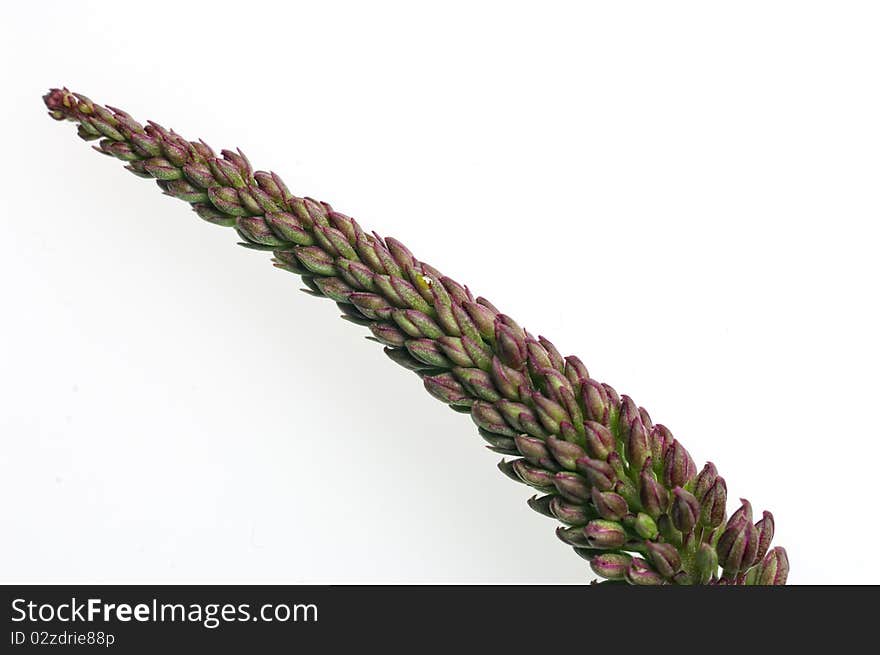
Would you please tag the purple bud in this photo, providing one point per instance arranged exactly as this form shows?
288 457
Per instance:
534 450
487 417
599 474
628 413
565 452
427 351
705 480
575 371
744 513
637 449
738 544
600 441
556 360
534 476
646 419
510 345
572 486
641 573
678 467
149 147
595 400
556 384
685 510
568 433
391 336
508 380
568 513
665 558
612 566
610 505
766 528
288 227
477 382
538 357
713 506
605 534
654 497
446 388
659 438
550 413
321 263
773 570
483 318
452 347
520 416
613 396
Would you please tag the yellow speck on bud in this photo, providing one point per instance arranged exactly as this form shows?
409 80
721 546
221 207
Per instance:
423 282
84 108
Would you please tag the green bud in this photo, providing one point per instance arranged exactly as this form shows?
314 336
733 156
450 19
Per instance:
707 563
645 526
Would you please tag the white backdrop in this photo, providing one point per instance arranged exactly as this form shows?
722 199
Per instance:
685 194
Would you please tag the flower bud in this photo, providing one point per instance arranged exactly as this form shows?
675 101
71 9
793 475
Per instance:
572 486
707 563
773 570
612 566
637 448
477 382
766 528
645 526
443 387
482 317
516 414
665 558
713 505
658 439
575 371
510 345
628 412
738 544
678 467
705 480
599 474
668 531
534 450
569 513
613 397
596 403
550 413
487 417
600 441
508 380
654 497
610 505
616 463
601 533
646 419
685 510
533 476
641 573
565 452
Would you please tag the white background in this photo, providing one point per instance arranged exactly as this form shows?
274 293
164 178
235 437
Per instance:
685 194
